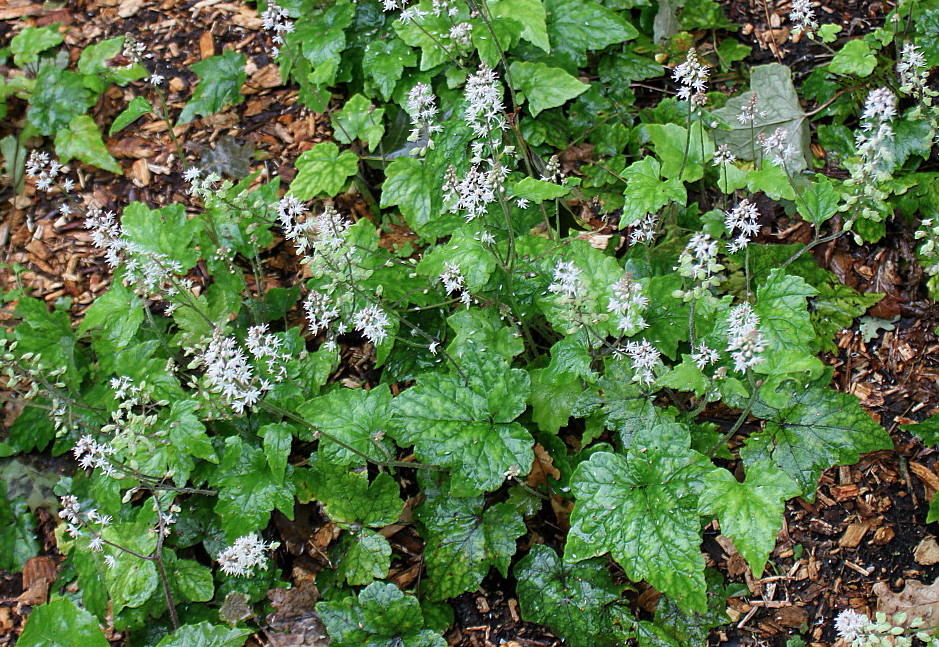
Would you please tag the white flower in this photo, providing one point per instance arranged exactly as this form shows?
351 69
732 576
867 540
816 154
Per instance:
881 105
628 303
644 230
454 281
372 322
228 372
850 623
156 79
704 356
912 70
744 340
723 155
566 281
422 107
484 108
320 311
698 262
110 561
472 193
803 15
645 358
247 553
742 220
693 76
460 34
776 146
191 174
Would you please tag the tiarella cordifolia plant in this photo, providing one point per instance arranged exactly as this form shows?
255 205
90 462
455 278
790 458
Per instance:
598 311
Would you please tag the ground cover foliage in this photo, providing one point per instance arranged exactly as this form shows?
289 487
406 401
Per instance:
660 376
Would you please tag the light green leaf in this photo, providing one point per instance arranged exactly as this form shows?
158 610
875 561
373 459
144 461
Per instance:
426 35
677 149
818 429
820 202
545 87
61 623
475 261
138 107
531 15
220 81
359 119
278 438
193 580
750 513
366 556
777 106
482 330
855 57
349 498
59 96
573 600
323 171
783 311
132 581
411 185
381 615
576 27
164 231
642 508
646 192
99 74
773 181
553 396
384 61
538 190
115 316
205 635
27 45
466 424
355 417
82 140
464 539
248 489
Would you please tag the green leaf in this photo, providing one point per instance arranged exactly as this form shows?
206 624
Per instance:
384 61
359 119
777 106
818 429
573 600
553 396
531 15
248 489
576 27
323 171
220 81
278 437
205 635
677 149
27 45
18 540
59 96
61 623
132 581
94 66
349 498
820 202
646 192
137 108
366 556
381 615
828 32
82 140
115 317
467 425
411 185
474 259
193 580
642 508
164 231
538 190
464 539
783 311
750 513
544 87
927 430
482 330
355 417
854 58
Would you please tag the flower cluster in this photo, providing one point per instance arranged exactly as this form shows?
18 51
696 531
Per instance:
742 222
749 114
913 73
91 454
276 20
320 311
703 356
83 523
698 262
247 553
45 169
373 323
744 340
454 281
858 630
643 230
645 357
723 155
475 191
777 147
566 283
803 15
483 93
291 215
422 108
628 304
693 75
876 159
229 373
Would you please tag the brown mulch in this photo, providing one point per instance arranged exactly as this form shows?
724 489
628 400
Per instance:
865 520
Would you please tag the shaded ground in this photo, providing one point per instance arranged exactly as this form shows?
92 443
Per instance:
865 520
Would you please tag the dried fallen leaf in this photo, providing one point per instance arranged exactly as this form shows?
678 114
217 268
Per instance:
295 620
927 553
916 599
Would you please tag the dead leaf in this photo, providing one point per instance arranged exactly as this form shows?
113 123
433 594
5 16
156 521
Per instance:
542 467
38 574
295 619
927 553
129 8
916 599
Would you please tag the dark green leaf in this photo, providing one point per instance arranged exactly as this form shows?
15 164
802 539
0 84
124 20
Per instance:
349 498
544 87
578 27
59 97
366 556
355 417
205 635
359 119
61 623
384 61
220 81
18 540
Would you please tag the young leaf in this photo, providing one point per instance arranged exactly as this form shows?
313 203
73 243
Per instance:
323 170
220 81
783 311
531 15
132 581
750 513
27 45
642 508
466 423
137 108
464 539
820 202
82 140
193 580
381 615
572 600
359 119
545 87
538 190
854 58
681 151
61 622
818 429
646 192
